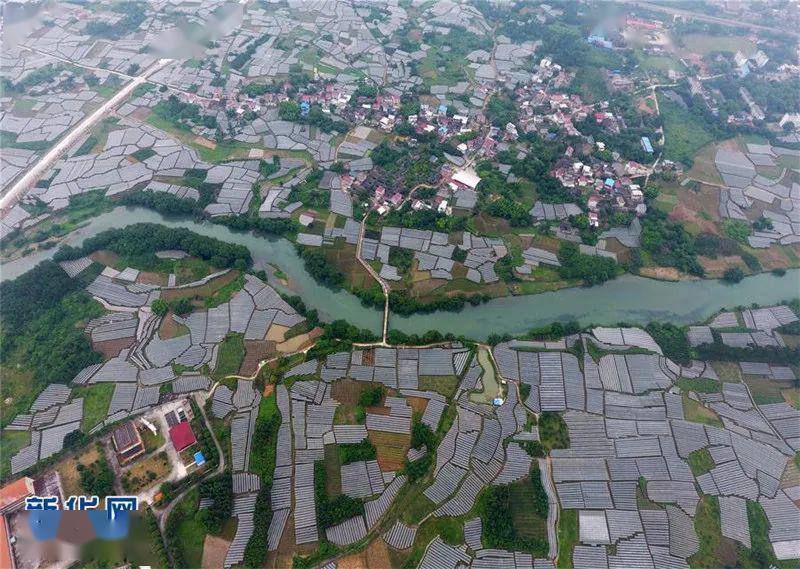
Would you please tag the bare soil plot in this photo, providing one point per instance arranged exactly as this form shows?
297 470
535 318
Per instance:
391 449
104 257
661 273
347 391
158 279
375 556
715 268
214 551
111 348
255 351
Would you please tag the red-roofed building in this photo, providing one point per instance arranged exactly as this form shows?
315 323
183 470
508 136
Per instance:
182 436
12 497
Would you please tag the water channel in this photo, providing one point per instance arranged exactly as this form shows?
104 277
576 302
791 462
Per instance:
631 299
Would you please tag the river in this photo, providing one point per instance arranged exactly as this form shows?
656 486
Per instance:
631 299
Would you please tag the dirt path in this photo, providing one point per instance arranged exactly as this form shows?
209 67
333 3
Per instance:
552 510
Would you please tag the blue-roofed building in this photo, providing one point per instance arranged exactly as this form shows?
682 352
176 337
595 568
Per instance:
442 109
744 70
648 147
305 106
609 183
199 459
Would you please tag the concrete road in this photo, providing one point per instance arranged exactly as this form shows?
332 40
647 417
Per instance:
708 18
21 187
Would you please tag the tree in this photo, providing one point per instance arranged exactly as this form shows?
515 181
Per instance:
733 275
160 307
289 111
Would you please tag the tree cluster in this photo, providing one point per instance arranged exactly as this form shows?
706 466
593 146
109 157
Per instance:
144 239
219 490
590 269
332 511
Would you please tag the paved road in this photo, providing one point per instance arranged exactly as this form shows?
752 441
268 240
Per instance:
18 190
711 19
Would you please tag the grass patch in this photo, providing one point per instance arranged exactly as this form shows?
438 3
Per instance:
10 443
224 294
96 399
364 450
693 411
230 356
567 538
189 533
699 385
706 43
333 472
444 384
151 442
416 506
765 390
715 550
529 523
700 461
451 530
684 134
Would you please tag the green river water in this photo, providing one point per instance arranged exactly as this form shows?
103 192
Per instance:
631 299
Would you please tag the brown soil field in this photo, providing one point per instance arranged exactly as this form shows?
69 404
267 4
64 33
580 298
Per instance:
68 471
376 556
347 391
104 257
716 267
391 448
171 329
418 404
276 333
214 551
111 348
298 342
255 351
158 279
661 273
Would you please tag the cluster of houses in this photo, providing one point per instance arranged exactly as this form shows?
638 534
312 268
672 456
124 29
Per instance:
606 184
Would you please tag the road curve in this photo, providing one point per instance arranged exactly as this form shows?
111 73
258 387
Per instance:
18 190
